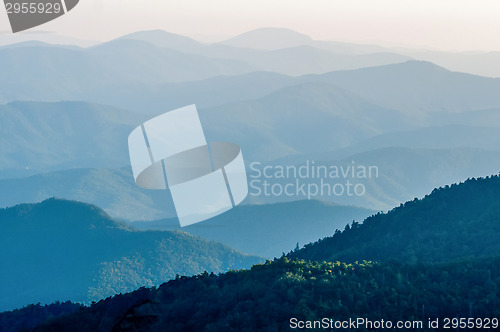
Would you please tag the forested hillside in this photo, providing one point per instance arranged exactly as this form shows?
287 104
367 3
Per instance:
266 297
454 222
62 250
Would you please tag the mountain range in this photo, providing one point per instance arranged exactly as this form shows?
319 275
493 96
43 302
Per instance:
418 87
455 227
75 73
268 230
481 63
415 88
402 174
37 137
66 112
114 190
59 72
276 50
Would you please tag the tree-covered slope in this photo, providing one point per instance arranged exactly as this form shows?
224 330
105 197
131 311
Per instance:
454 222
268 296
64 250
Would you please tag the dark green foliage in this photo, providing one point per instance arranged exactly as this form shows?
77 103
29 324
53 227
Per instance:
453 222
34 314
267 296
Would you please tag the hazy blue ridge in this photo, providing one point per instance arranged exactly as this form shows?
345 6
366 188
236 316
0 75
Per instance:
62 250
269 230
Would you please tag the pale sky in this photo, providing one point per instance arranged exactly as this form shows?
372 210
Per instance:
455 25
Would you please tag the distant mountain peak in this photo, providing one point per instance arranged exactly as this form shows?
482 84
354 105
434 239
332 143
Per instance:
158 33
410 65
418 64
60 250
63 213
269 39
162 38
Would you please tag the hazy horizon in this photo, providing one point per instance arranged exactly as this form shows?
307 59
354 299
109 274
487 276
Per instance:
449 25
